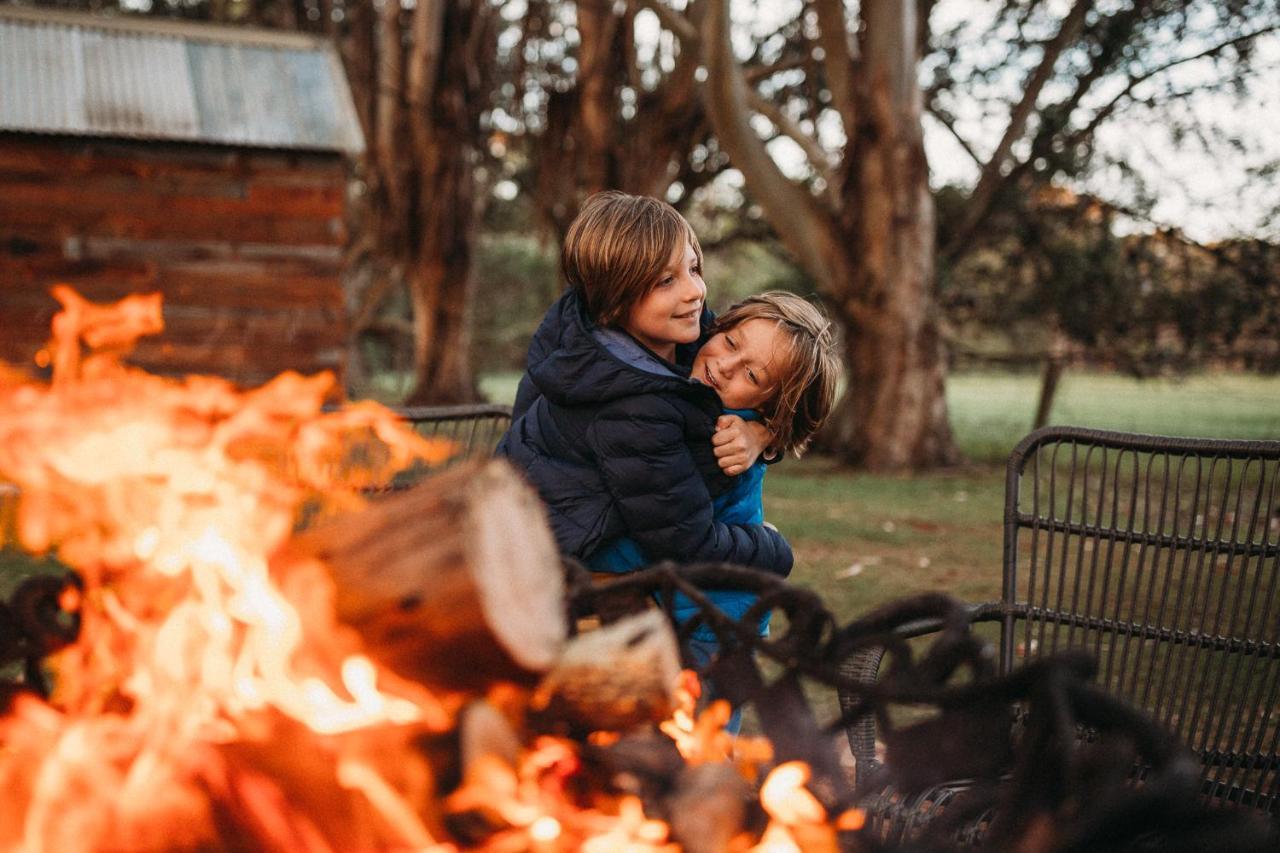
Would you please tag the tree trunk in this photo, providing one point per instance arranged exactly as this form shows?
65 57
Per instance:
1054 361
873 256
440 282
442 133
598 29
417 99
894 414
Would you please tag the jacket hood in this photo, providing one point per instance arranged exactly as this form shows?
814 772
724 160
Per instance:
571 366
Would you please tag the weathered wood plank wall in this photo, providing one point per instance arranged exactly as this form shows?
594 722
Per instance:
246 247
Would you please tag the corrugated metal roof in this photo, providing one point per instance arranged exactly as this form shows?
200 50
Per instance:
68 73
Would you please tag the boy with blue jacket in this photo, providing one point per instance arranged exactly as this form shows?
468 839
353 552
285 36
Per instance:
771 357
608 425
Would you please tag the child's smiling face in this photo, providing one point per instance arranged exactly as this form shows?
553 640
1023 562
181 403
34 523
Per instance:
671 312
743 364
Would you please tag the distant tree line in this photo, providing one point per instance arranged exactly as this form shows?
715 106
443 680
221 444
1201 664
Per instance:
819 105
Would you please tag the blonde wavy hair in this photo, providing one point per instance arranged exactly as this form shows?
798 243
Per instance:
808 377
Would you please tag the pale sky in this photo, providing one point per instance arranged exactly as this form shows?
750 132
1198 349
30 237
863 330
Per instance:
1211 197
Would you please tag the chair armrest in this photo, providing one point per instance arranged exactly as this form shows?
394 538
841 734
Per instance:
862 667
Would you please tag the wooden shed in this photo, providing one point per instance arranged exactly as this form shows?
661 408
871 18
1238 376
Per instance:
208 163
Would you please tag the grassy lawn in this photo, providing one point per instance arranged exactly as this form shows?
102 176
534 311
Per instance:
990 412
942 530
861 540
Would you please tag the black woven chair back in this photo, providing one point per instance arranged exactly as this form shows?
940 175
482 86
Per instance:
474 430
1161 557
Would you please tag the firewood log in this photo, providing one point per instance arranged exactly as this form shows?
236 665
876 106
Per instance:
483 731
456 583
615 677
708 807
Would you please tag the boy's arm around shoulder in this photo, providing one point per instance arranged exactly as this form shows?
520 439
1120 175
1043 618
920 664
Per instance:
738 443
639 444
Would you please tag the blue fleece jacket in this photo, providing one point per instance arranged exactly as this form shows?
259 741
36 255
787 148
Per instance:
617 448
742 504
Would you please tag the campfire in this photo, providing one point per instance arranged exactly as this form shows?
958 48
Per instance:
269 659
263 648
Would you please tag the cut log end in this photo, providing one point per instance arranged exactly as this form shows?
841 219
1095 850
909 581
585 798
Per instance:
616 677
456 583
517 565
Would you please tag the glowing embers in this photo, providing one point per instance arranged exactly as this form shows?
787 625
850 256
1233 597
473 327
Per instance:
169 497
214 695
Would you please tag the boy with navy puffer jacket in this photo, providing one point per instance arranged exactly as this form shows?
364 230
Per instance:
771 357
608 425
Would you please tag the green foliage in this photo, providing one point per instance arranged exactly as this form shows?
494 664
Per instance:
516 279
1053 264
740 269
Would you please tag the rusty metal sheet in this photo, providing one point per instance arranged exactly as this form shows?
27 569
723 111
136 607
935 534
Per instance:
79 74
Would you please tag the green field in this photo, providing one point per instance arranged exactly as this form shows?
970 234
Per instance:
864 539
991 411
861 540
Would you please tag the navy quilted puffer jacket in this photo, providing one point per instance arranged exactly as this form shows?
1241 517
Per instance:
617 450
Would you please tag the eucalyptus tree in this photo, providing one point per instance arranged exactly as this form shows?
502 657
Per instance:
854 83
420 74
1119 89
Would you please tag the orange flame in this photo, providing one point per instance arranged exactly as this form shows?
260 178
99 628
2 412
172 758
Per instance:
169 496
797 821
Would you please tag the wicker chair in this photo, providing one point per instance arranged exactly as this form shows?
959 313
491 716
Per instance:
1158 556
474 429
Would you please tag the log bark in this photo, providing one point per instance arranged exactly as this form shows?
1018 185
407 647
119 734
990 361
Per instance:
708 807
456 583
615 677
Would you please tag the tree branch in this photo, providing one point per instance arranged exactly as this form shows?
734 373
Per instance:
424 55
1111 106
390 84
759 73
819 158
795 214
837 61
993 175
672 20
945 121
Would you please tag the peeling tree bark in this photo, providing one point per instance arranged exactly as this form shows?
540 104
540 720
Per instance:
420 112
894 415
873 256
